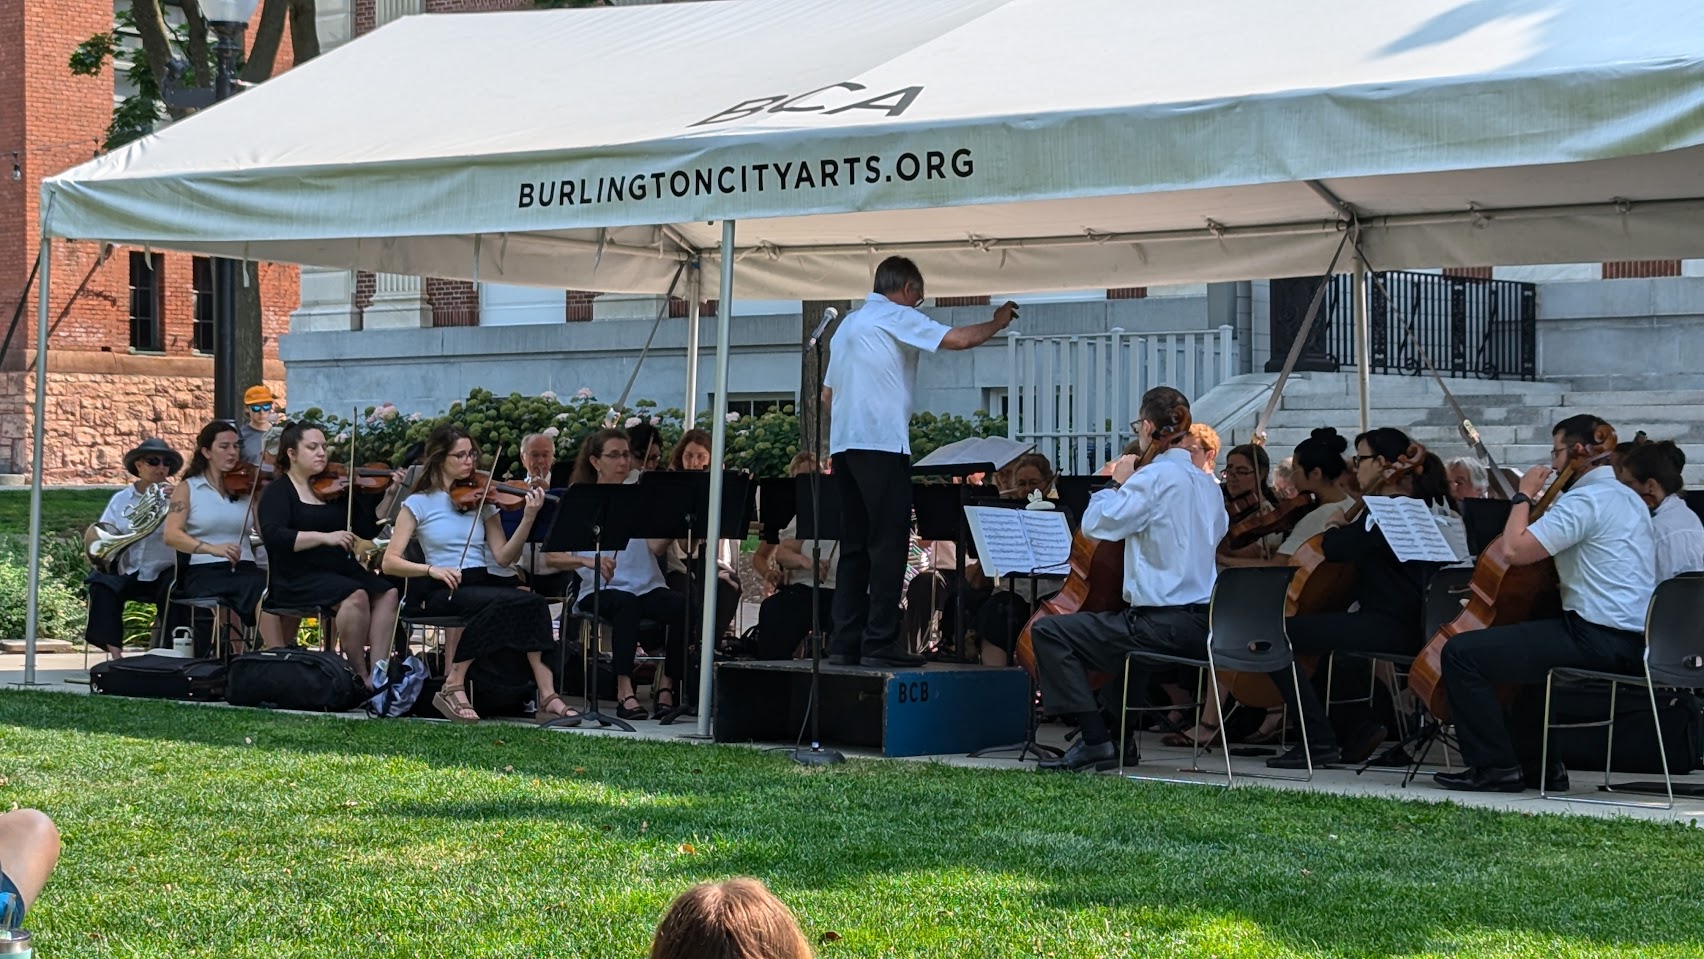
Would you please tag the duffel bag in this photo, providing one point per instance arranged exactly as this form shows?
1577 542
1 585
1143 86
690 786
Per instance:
294 678
154 676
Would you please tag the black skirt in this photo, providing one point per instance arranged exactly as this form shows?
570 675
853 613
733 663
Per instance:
239 588
499 615
324 587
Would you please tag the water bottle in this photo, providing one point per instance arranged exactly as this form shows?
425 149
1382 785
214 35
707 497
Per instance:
183 643
15 944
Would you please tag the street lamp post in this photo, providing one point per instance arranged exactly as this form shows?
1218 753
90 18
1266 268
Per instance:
229 19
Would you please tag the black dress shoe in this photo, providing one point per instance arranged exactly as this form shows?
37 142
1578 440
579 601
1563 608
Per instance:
891 655
1484 779
1297 758
1556 782
1081 755
1365 739
843 659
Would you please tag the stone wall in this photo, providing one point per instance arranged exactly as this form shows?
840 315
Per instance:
101 404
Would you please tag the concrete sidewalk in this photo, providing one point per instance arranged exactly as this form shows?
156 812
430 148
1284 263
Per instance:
63 673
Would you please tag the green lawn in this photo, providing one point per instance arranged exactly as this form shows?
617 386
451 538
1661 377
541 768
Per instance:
62 510
194 831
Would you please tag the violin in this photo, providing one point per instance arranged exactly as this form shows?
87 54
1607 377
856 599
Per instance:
472 492
245 478
1239 507
1500 594
1096 580
1281 519
333 481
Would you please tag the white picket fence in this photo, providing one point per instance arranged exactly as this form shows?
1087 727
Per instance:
1075 396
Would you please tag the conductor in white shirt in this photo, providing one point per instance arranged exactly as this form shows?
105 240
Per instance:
871 375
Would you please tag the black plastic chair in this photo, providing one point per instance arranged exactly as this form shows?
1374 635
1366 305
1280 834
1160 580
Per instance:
250 635
1245 633
1674 659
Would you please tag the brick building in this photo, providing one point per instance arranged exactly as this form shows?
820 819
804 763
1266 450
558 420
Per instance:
130 357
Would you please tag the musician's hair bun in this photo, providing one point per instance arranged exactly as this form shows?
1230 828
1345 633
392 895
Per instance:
1329 438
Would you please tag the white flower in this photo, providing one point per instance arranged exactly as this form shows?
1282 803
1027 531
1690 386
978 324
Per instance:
414 417
656 421
387 412
343 437
552 432
548 395
733 417
632 421
583 393
561 417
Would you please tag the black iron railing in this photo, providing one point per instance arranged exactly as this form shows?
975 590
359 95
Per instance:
1467 327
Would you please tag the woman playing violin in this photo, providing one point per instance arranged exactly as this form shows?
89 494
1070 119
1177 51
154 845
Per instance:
1391 592
311 550
1248 494
632 587
211 522
503 622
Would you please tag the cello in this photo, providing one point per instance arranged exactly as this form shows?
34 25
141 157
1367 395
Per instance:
1096 580
1501 594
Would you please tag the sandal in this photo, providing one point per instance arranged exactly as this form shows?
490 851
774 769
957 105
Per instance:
636 712
569 716
1183 740
658 709
444 701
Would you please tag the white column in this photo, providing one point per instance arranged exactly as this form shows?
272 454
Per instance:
627 306
328 301
384 11
1360 290
399 302
695 297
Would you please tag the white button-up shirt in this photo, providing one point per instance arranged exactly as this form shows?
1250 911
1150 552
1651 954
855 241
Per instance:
1600 534
873 371
1171 517
148 557
1679 538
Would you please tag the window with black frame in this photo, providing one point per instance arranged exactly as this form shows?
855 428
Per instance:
146 270
201 283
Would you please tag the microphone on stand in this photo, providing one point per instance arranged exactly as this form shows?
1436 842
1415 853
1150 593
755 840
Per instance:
829 315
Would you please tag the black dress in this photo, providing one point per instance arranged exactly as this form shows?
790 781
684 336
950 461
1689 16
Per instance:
320 576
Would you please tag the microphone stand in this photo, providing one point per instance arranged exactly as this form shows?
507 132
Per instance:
816 755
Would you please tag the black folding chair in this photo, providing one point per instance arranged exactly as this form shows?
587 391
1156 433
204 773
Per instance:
1674 659
1245 624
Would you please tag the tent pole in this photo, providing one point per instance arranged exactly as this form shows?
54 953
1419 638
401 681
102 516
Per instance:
1363 334
32 602
718 453
695 297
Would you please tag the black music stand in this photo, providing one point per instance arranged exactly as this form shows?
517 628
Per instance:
1074 493
817 506
940 515
678 504
596 517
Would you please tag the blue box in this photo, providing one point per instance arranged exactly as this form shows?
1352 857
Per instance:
904 711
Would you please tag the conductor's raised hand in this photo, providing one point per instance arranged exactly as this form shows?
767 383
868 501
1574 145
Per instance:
1006 315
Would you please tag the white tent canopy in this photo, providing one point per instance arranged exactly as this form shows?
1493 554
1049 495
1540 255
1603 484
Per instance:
1022 144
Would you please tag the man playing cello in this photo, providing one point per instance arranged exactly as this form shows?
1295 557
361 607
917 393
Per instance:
1171 517
1599 533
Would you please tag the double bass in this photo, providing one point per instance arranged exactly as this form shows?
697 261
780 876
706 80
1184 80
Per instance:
1501 594
1095 583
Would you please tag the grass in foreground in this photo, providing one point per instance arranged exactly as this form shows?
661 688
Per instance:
195 831
62 510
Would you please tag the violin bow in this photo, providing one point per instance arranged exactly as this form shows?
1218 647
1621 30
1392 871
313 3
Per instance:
479 508
349 494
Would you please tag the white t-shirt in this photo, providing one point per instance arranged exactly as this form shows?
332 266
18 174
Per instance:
829 550
1600 534
148 557
1680 538
444 531
873 371
636 570
1172 517
1312 525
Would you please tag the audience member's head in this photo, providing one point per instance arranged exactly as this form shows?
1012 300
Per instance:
734 919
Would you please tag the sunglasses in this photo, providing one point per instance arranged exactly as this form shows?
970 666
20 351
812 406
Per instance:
260 407
153 460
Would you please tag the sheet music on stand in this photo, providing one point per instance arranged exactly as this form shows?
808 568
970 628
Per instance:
1414 532
1020 542
997 451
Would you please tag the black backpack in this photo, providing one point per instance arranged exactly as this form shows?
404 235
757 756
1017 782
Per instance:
153 676
294 678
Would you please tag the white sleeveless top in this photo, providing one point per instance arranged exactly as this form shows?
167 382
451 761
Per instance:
215 518
442 531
